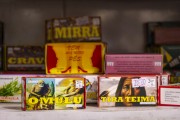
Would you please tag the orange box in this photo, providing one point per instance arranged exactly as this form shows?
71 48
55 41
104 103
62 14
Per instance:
75 58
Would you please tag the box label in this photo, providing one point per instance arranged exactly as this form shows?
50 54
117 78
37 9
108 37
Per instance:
170 96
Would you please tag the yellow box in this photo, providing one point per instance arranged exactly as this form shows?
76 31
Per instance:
75 58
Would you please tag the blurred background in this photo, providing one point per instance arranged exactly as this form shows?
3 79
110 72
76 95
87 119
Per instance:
122 20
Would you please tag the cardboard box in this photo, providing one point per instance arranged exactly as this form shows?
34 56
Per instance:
165 78
174 79
85 28
151 26
25 58
167 36
75 58
91 88
91 85
133 64
169 95
129 90
171 56
10 87
52 93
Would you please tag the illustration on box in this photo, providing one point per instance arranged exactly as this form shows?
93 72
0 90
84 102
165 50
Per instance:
91 88
75 58
127 91
10 88
54 93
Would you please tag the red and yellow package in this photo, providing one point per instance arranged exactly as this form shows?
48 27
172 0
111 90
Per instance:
75 58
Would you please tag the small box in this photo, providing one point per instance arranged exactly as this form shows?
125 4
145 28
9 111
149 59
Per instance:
53 93
164 79
133 64
75 58
174 79
127 90
25 58
169 95
150 28
10 87
73 29
171 58
167 36
91 88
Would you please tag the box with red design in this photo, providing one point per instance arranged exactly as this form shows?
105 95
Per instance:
53 93
169 95
75 58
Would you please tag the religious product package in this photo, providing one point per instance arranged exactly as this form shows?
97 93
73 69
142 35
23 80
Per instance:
174 79
91 85
91 88
163 78
155 31
133 64
25 58
167 36
10 87
129 90
53 93
169 95
75 58
171 56
85 28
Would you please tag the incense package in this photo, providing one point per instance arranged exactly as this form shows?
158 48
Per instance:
52 93
75 58
129 90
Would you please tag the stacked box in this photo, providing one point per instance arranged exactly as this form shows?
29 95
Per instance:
174 79
171 56
10 87
86 28
75 58
169 95
91 85
165 79
129 90
52 93
25 58
133 64
167 36
152 26
91 88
